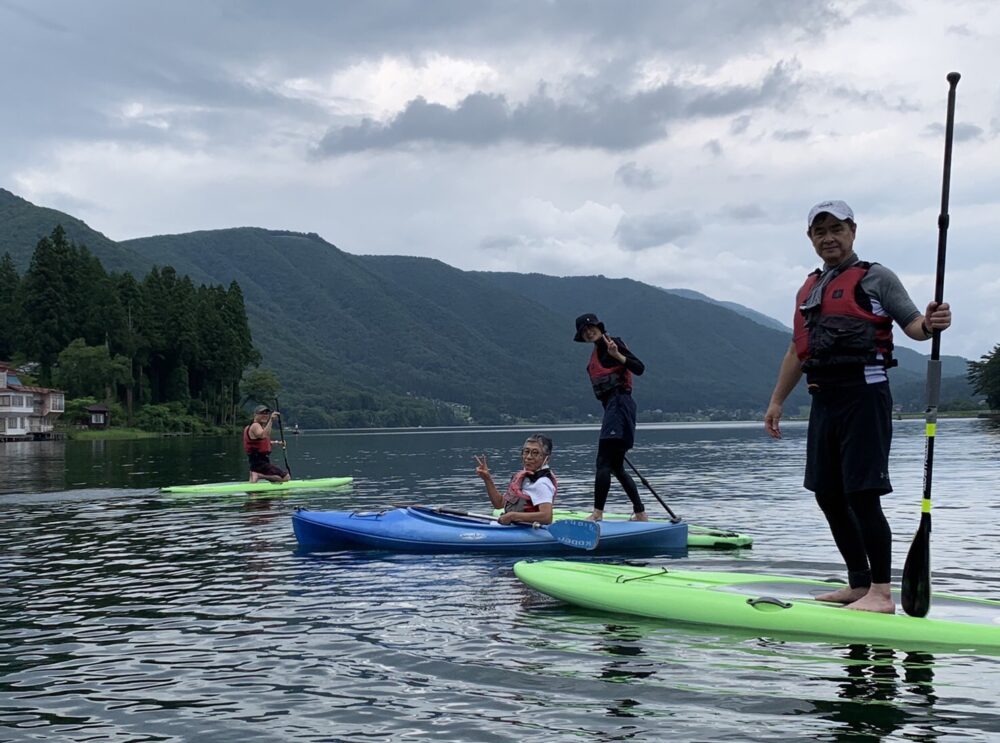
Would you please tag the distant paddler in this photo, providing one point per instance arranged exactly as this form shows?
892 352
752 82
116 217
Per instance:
257 444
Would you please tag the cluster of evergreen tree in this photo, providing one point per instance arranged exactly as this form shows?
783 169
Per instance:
985 377
158 341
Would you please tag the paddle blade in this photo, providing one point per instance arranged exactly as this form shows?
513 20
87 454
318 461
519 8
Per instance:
916 593
577 533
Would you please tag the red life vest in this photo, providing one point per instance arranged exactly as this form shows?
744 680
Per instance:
515 495
255 446
845 330
605 379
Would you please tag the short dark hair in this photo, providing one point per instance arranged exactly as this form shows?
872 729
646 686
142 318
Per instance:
543 441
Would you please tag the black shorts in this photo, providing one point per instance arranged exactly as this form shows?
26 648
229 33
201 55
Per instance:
261 464
850 433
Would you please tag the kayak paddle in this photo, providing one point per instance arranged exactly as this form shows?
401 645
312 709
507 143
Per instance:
578 533
673 516
916 589
281 430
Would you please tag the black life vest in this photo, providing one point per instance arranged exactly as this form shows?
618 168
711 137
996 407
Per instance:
606 379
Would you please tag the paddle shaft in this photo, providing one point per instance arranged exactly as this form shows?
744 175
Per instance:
934 363
583 535
483 517
281 430
916 587
673 516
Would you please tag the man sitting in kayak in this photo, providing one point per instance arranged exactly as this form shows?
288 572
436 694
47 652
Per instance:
531 491
257 444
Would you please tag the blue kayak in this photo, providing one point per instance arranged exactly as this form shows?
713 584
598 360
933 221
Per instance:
417 529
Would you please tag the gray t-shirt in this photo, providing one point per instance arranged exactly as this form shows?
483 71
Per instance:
888 294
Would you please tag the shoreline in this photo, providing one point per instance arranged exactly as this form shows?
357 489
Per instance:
125 434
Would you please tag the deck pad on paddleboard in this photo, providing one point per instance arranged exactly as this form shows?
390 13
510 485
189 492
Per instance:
944 606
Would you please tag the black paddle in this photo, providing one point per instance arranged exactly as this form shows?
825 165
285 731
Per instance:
281 430
673 516
916 593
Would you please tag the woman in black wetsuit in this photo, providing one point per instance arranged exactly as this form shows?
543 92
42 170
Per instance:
610 369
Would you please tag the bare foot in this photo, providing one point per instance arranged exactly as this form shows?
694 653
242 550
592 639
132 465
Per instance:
878 599
844 595
639 516
595 516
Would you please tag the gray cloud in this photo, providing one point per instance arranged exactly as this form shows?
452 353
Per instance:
778 87
651 230
713 146
873 98
963 132
631 175
33 18
607 120
742 212
501 242
791 135
740 124
880 9
197 62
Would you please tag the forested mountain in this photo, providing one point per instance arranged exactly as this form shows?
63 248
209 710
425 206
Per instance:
759 317
22 225
161 344
391 340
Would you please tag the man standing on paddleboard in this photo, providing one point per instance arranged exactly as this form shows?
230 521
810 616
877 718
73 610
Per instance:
610 369
843 344
257 444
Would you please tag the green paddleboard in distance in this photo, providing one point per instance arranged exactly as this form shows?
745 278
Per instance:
769 604
260 487
698 536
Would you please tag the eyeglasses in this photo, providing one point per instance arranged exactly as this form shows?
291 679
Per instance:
532 453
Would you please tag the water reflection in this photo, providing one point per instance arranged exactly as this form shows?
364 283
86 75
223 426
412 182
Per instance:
193 618
875 681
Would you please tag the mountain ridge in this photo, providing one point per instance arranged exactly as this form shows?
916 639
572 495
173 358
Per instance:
348 333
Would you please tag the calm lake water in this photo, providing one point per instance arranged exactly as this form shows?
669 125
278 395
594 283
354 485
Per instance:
129 615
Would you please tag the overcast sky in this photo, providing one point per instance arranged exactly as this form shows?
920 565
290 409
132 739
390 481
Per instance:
679 143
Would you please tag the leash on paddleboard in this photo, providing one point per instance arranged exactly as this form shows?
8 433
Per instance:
673 516
916 588
281 430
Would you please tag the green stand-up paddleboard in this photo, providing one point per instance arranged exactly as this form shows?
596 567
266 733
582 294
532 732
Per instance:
260 487
769 604
698 536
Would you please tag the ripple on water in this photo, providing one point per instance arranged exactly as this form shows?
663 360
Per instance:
125 615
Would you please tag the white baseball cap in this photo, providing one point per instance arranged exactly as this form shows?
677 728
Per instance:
839 209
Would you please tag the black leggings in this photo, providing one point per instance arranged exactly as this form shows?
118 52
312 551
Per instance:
611 461
862 535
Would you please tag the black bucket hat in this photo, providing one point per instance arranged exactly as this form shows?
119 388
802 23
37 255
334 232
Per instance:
583 321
